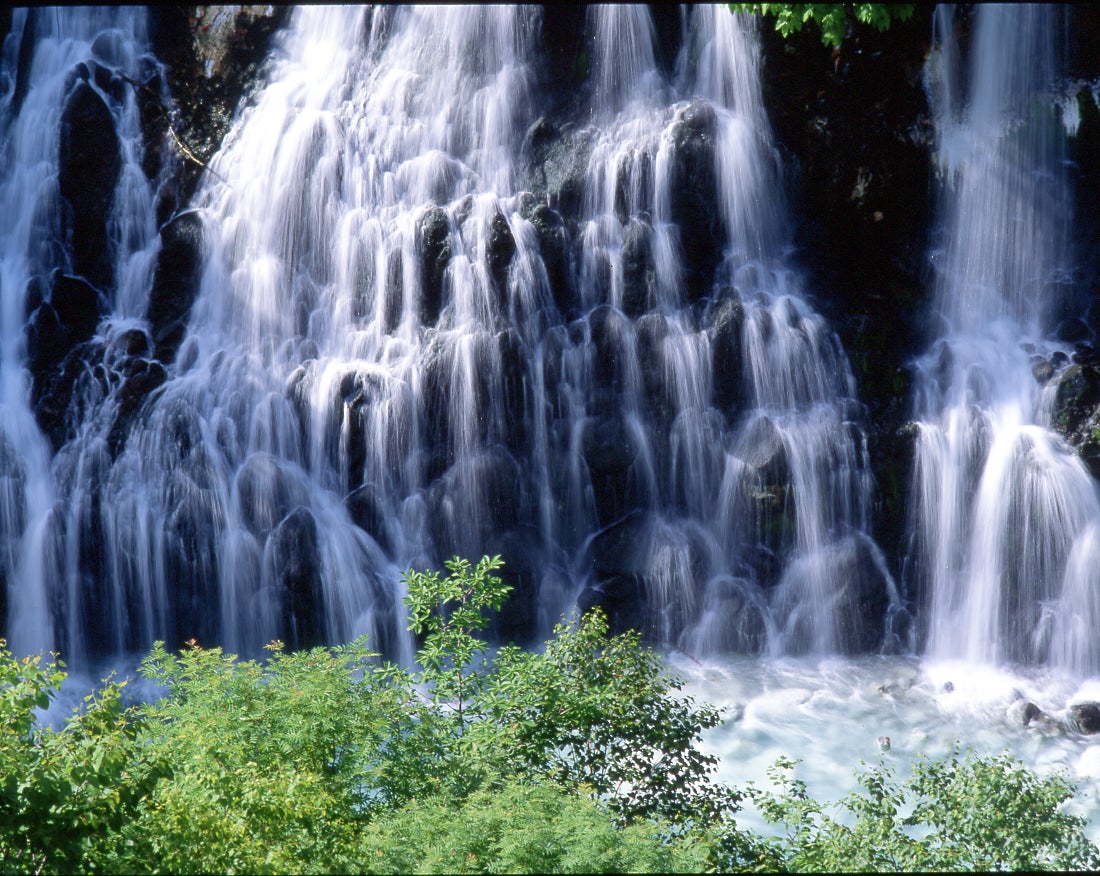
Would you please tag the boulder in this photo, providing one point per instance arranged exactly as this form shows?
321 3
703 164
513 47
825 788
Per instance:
725 338
692 206
622 599
176 283
295 562
639 270
1023 712
1076 397
554 249
433 244
732 619
266 494
500 247
524 565
89 164
140 376
610 450
1086 717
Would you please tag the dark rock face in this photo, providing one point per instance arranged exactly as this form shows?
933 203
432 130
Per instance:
1075 414
59 349
857 125
639 270
554 250
692 207
524 563
634 582
725 331
175 283
26 53
435 254
295 561
89 166
212 57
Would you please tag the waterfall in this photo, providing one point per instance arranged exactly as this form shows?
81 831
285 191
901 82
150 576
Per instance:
1004 514
69 129
441 311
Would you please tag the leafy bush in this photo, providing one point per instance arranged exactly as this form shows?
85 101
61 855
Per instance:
522 828
253 764
59 790
964 812
583 757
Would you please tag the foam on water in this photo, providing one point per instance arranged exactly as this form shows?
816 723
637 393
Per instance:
830 714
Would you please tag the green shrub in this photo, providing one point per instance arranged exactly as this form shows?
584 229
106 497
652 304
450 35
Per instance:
962 812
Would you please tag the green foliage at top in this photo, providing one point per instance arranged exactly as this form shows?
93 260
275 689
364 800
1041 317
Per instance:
832 18
581 758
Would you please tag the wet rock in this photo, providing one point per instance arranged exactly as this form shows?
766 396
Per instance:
639 269
611 333
156 138
296 564
614 548
191 559
1076 396
621 598
481 494
1084 353
140 377
1072 330
692 205
89 164
524 564
609 452
26 55
651 330
732 619
78 306
176 283
1086 717
513 397
212 57
656 563
500 248
860 593
554 250
265 493
433 242
368 511
725 334
1042 370
564 173
564 44
393 303
1023 712
60 348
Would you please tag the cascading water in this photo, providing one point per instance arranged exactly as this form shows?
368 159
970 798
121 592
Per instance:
407 344
431 301
69 129
1005 515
